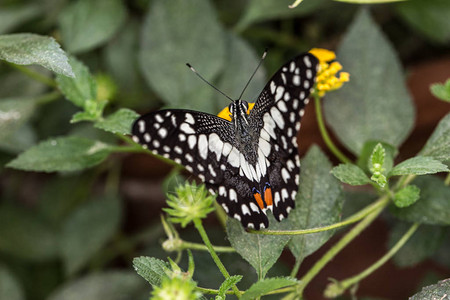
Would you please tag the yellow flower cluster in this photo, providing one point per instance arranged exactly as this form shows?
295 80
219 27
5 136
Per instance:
327 77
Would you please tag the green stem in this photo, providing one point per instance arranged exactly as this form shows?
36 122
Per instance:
344 241
201 247
324 133
447 179
198 224
352 219
35 75
49 97
296 268
221 215
345 284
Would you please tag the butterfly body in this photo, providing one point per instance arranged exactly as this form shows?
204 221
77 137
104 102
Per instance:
251 163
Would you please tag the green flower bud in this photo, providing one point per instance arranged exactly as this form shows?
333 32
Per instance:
190 202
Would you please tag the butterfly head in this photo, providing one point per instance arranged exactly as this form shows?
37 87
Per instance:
239 109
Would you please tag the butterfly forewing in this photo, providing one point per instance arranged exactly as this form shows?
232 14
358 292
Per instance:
247 177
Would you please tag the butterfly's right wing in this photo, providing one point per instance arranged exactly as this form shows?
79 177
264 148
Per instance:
276 115
205 145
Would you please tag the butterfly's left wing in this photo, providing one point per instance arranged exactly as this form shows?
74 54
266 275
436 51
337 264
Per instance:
205 144
276 115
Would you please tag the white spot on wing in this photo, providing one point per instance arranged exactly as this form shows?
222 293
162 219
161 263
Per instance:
272 87
277 117
279 93
192 140
203 146
162 132
282 106
233 157
307 61
141 125
186 128
233 195
285 175
189 119
254 207
296 80
159 119
245 210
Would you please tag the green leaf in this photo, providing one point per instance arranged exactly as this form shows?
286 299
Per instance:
407 196
118 122
377 157
433 207
80 89
13 114
12 16
424 243
62 154
319 203
101 219
10 287
21 139
24 235
226 285
33 49
441 90
375 103
419 165
261 251
111 285
151 269
428 17
264 286
376 165
264 10
439 142
366 152
87 24
435 291
172 33
121 58
350 174
241 63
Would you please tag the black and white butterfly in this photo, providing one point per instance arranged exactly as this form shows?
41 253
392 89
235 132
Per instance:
251 163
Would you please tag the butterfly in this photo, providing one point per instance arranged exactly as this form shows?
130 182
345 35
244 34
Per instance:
250 163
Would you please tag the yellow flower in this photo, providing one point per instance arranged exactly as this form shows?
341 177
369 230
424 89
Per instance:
329 77
225 113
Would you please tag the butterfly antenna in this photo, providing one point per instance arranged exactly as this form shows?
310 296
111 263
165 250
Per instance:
200 76
251 77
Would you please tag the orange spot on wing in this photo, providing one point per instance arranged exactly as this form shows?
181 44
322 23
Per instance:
259 200
268 196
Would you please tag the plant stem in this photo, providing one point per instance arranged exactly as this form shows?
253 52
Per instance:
221 215
352 219
49 97
201 247
345 284
447 179
296 268
324 133
35 75
198 224
344 241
